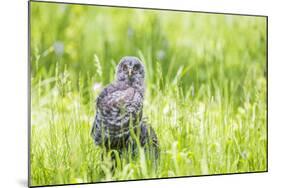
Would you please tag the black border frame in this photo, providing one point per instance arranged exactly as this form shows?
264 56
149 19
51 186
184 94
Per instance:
143 8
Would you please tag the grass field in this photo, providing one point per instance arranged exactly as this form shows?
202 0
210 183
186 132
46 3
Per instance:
205 90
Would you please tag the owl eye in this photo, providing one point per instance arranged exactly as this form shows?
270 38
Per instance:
136 67
125 68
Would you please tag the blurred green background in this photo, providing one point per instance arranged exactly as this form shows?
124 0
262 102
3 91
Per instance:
205 89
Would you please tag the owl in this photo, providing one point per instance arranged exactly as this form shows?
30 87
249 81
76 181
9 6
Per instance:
119 122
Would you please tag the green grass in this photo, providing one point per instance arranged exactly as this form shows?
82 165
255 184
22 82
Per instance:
205 91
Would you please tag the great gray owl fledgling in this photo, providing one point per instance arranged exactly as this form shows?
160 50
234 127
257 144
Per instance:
118 121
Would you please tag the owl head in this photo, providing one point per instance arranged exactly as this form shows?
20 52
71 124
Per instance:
130 69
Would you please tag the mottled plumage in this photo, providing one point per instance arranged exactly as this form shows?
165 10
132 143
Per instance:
119 111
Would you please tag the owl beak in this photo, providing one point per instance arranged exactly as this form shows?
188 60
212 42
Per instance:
130 72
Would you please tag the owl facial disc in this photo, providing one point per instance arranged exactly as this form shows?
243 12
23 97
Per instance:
130 70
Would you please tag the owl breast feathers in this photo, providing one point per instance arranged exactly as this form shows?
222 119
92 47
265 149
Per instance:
119 110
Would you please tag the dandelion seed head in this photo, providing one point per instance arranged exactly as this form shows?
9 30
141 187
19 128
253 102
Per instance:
97 86
58 48
130 32
160 54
